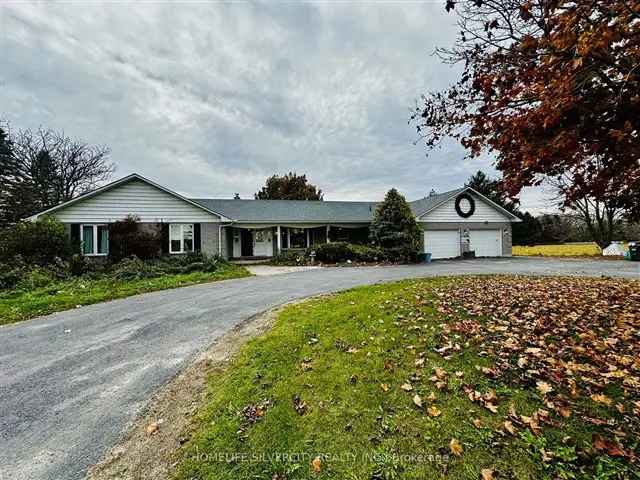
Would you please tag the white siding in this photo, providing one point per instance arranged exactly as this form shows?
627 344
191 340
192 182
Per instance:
447 213
149 203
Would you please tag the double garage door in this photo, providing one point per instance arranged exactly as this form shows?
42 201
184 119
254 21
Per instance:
446 243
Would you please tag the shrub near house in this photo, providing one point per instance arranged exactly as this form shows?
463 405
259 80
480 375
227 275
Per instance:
38 242
127 238
40 273
337 252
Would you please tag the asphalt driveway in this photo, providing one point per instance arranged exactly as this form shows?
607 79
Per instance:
71 382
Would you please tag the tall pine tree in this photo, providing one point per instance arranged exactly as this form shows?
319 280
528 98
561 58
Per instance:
394 227
490 188
10 175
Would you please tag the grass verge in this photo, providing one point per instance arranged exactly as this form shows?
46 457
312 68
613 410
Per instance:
357 386
18 305
564 250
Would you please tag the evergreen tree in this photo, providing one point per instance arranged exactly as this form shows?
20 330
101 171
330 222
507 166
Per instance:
490 188
11 176
394 227
44 181
527 232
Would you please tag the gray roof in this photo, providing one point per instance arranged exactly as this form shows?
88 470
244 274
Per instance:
284 211
310 211
427 203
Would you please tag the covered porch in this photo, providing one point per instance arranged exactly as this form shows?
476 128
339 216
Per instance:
256 242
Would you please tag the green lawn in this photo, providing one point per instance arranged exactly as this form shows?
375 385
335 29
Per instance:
327 382
17 305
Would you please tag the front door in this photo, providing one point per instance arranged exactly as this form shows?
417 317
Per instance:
262 243
246 243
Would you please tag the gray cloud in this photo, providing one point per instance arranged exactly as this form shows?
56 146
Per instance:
211 99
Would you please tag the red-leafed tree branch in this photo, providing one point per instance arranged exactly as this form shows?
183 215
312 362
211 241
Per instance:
552 88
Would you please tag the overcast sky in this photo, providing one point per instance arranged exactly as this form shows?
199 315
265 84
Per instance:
210 99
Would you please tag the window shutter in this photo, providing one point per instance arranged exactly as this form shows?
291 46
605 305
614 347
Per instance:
164 234
75 232
196 237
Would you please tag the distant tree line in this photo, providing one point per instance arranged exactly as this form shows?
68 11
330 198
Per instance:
42 168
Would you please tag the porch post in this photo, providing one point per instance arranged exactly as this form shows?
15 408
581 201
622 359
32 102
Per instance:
328 228
307 230
279 246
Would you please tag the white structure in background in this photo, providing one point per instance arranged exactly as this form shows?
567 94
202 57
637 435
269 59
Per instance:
616 249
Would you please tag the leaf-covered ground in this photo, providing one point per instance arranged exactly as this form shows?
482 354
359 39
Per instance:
576 341
482 377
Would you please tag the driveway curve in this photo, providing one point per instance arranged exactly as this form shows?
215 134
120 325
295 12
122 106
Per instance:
71 382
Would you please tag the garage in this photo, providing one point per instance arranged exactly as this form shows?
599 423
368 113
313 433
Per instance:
486 243
442 243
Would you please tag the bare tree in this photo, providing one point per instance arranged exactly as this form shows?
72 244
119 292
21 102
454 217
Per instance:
77 167
601 216
48 168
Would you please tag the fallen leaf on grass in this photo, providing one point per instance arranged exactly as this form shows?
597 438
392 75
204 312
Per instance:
508 426
316 464
417 400
406 387
384 387
543 387
601 398
152 428
455 447
491 407
486 474
477 422
532 422
299 405
440 373
611 448
433 411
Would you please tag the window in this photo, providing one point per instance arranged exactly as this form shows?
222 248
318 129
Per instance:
95 239
297 238
180 238
284 237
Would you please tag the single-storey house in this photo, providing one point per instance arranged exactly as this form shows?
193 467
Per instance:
453 222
